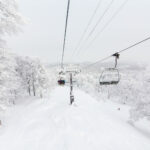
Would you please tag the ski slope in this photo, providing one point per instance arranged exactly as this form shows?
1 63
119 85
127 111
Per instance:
52 124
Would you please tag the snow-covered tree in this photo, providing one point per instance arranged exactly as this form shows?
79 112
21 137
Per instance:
10 18
21 76
141 108
34 76
10 81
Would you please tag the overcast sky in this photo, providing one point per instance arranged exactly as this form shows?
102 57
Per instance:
43 35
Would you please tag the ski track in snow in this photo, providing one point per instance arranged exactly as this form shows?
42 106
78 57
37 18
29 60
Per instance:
52 124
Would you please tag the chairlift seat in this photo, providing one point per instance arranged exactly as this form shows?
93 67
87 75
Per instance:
109 76
61 82
109 83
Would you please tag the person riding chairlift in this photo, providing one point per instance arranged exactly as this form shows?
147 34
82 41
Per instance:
61 81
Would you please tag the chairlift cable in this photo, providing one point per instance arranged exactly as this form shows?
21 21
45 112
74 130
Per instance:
107 23
97 23
87 27
123 50
64 43
100 19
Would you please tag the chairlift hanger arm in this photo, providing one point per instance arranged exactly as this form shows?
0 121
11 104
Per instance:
116 55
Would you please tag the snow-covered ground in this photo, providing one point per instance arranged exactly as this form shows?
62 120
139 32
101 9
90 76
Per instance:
52 124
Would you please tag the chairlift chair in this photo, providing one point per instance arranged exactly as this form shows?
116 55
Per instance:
61 80
110 76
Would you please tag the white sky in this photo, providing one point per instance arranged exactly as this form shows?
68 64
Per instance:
43 36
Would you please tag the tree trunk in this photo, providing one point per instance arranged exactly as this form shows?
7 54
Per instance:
34 92
29 88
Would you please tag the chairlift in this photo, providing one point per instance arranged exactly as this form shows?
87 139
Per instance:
110 76
61 80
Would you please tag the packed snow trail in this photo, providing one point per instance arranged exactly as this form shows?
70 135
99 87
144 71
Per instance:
52 124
